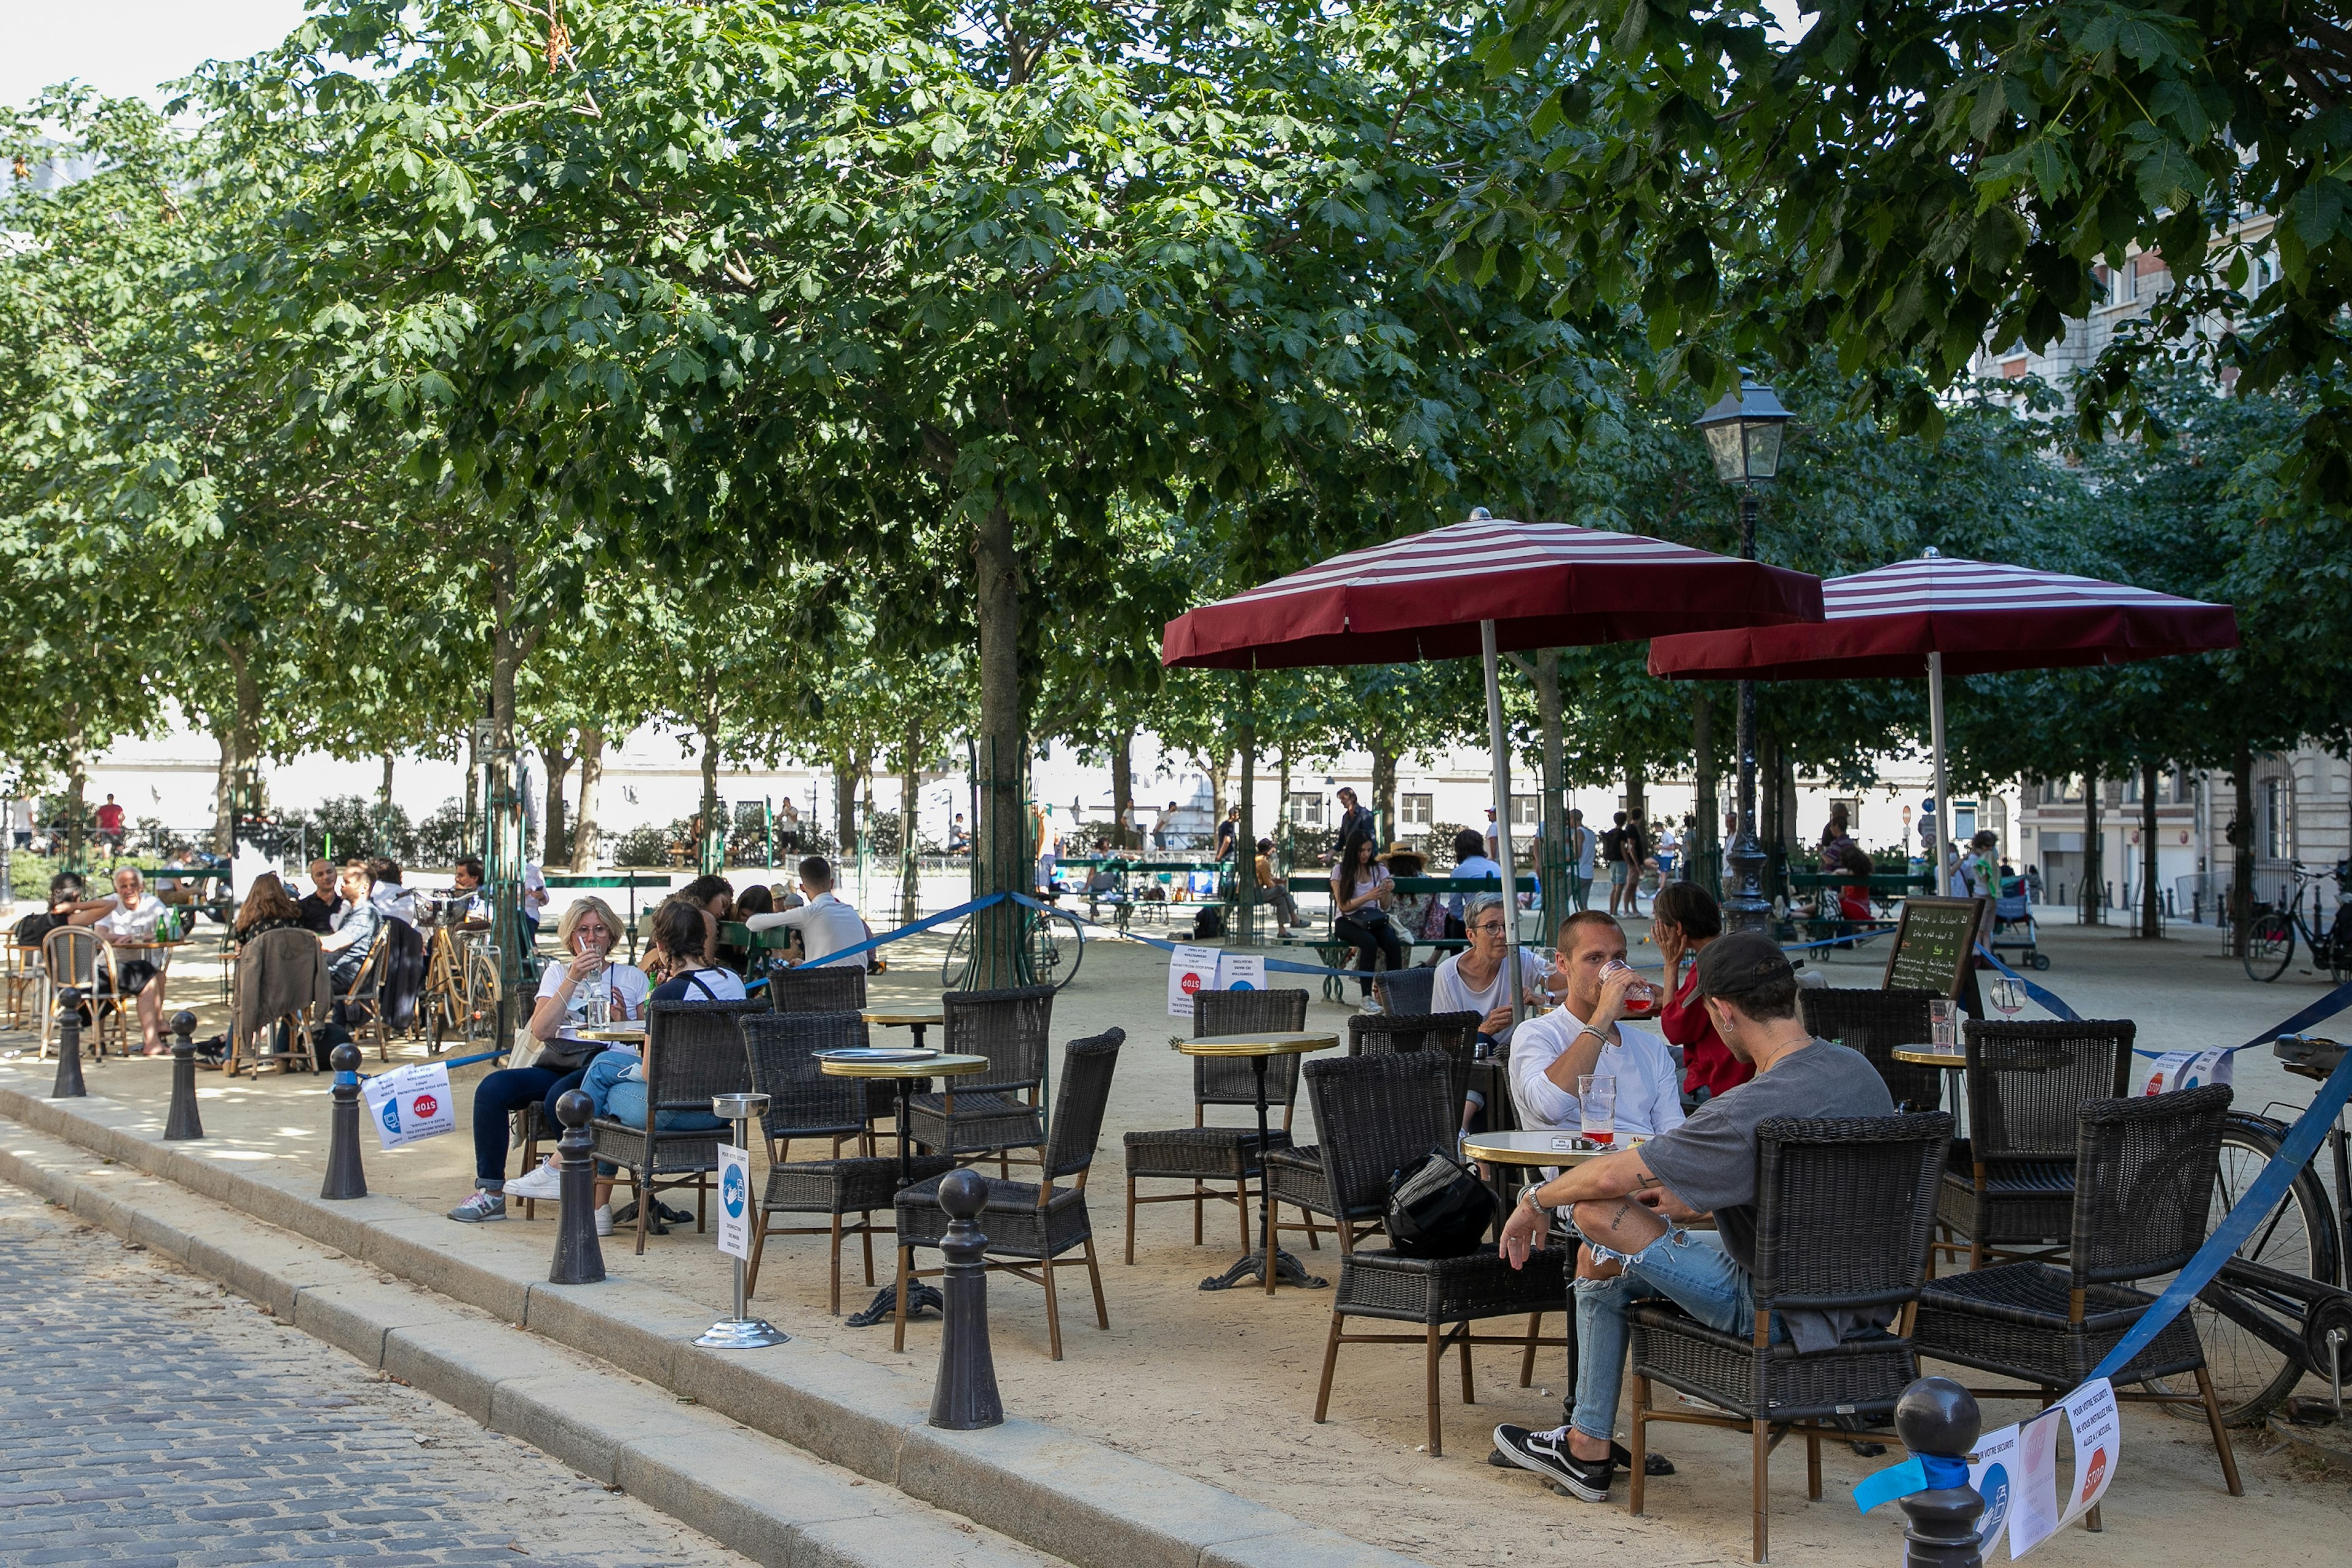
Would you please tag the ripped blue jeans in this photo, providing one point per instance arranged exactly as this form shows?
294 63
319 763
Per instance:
1689 1269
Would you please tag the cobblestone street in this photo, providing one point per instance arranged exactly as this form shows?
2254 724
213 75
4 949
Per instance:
148 1416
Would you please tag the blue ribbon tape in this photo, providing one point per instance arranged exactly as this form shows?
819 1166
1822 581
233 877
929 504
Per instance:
1919 1473
457 1062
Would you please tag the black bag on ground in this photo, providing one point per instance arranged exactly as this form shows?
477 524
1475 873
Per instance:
1438 1209
1209 925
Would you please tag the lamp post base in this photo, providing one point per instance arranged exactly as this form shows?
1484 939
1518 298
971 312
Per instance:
1251 1266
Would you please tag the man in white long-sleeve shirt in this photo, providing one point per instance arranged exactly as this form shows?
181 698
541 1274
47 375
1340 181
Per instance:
826 924
1587 1034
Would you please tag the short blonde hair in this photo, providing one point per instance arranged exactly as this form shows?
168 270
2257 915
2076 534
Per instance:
569 921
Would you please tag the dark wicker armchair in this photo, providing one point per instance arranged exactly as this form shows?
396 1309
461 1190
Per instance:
1407 990
1030 1224
1844 1212
803 1103
2011 1184
837 988
1877 1022
1453 1034
997 1110
1373 1114
1201 1153
693 1051
2143 1175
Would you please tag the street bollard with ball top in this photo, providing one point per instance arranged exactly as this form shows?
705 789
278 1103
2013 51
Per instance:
1939 1422
68 1085
345 1176
183 1121
965 1397
579 1260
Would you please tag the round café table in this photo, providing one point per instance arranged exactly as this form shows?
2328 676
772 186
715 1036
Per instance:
615 1034
902 1073
1955 1064
1274 1263
915 1019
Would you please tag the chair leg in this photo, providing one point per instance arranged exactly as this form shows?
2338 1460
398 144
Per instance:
1200 1196
1638 1444
1241 1202
1094 1277
751 1267
1131 1222
865 1234
1469 1396
1053 1312
2221 1433
906 1266
1527 1357
1434 1352
836 1308
1760 1465
1330 1361
1813 1467
1313 1244
644 1195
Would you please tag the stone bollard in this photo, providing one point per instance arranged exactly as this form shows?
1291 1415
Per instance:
184 1121
68 1085
1939 1422
965 1397
578 1259
346 1177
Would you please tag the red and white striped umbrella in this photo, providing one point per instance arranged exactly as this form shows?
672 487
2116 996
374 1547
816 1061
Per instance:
1941 612
1543 584
1980 616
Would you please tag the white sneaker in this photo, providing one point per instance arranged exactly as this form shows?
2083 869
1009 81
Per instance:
1372 1004
604 1220
543 1186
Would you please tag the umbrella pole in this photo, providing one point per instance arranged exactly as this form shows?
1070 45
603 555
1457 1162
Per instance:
1944 817
1497 742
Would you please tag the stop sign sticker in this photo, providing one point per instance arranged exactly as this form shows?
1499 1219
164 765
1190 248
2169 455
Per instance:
1191 983
425 1106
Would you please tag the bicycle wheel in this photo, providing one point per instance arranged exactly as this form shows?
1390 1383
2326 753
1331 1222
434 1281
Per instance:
1057 945
2270 947
2250 1376
952 968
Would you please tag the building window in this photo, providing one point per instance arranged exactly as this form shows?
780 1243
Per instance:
1523 811
2063 792
2012 369
1307 810
1416 810
2273 824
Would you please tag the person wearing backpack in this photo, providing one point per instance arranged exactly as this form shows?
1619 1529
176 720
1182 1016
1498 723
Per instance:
1612 850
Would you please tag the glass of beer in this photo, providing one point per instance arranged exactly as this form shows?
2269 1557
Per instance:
1944 1024
1642 1001
1596 1093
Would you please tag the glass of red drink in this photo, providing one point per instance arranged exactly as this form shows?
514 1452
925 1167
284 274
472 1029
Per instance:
1596 1094
1642 1001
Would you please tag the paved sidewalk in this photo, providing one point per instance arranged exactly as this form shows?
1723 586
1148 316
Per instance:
148 1416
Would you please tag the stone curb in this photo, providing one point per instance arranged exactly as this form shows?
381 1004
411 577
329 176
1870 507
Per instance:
1092 1505
743 1488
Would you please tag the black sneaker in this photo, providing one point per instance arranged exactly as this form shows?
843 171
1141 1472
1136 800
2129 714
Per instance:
1546 1453
1652 1463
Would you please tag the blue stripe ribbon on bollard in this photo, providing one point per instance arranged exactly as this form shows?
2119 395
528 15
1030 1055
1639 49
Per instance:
1919 1473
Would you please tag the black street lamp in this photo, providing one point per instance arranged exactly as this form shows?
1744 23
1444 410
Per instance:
1743 432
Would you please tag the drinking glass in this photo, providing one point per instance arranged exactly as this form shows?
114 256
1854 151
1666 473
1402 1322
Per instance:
596 1002
1642 1000
2007 995
1944 1024
1597 1094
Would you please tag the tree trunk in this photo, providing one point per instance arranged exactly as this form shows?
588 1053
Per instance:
1788 832
592 776
237 748
844 808
1703 860
1637 795
2151 897
1552 871
1384 775
504 866
1122 790
2241 844
1219 767
224 794
712 851
910 755
555 848
2094 853
1281 834
1002 865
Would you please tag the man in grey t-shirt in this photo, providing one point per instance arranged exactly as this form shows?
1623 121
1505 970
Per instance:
1628 1205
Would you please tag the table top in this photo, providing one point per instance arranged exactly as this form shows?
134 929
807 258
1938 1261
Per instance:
1266 1043
1537 1147
1929 1056
903 1017
616 1032
944 1065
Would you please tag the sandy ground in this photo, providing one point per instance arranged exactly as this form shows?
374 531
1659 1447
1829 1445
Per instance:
1221 1386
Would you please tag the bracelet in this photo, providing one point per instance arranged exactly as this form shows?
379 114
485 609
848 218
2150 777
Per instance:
1589 1029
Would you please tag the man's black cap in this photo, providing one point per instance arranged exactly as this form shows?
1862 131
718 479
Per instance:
1741 961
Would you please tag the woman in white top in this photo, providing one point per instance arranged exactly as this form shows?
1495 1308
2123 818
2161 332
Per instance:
1362 894
125 920
1472 981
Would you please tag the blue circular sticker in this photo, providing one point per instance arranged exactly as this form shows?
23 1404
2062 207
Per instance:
1994 1490
730 1191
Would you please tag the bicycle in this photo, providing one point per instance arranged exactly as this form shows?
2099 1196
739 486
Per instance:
1054 942
2270 942
2278 1309
461 977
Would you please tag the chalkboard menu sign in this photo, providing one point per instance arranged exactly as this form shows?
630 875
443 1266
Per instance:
1933 945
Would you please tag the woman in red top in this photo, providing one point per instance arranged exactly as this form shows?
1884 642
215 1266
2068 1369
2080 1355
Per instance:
1685 918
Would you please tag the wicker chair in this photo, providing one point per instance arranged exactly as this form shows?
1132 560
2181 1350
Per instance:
2143 1175
366 995
1374 1114
693 1051
1407 990
1453 1034
1200 1153
998 1109
2011 1184
837 988
802 1102
1844 1212
1030 1223
1876 1023
73 959
1446 1295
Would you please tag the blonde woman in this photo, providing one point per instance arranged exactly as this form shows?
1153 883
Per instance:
586 932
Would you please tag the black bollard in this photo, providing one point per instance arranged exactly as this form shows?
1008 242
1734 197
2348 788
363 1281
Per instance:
345 1178
965 1397
184 1121
578 1259
68 1085
1938 1419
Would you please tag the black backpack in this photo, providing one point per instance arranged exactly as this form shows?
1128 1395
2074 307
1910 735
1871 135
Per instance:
1438 1209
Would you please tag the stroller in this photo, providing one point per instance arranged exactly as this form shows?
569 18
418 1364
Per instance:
2012 916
